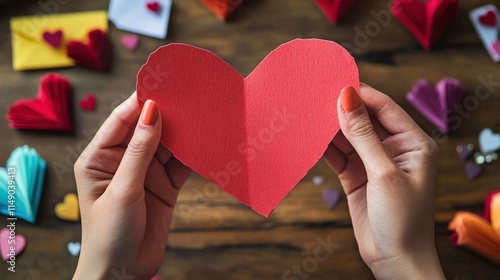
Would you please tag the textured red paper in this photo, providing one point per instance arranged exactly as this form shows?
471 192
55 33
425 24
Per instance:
50 111
255 137
427 21
334 9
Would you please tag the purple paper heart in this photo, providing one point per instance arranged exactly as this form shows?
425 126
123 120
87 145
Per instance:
331 197
437 104
473 170
465 151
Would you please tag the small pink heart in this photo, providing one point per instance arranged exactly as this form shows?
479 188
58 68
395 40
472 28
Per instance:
495 47
53 38
11 244
130 42
88 102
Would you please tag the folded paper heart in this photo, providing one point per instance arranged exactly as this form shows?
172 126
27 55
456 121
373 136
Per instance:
437 105
255 137
426 20
24 175
11 246
334 9
95 54
50 111
68 210
53 38
88 102
222 8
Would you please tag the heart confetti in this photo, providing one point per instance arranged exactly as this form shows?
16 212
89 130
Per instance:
437 104
130 41
489 141
489 18
334 9
318 180
222 8
426 20
485 21
153 6
53 38
95 54
473 170
69 209
74 248
11 243
331 197
50 111
25 174
465 151
88 102
240 132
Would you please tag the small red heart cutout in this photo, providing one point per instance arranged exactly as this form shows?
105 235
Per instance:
426 20
489 19
50 111
255 137
153 6
334 9
88 102
53 38
95 54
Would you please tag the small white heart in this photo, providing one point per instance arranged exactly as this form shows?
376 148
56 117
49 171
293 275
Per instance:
74 248
489 141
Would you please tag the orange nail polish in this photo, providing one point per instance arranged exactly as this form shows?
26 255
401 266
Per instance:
349 99
149 113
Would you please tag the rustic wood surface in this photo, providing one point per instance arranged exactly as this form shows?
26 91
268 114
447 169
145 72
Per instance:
213 235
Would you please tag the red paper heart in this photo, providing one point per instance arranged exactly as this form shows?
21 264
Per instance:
427 21
255 137
489 19
53 38
153 6
88 102
222 8
334 9
95 54
50 111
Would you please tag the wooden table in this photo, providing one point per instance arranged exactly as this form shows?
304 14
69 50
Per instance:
215 236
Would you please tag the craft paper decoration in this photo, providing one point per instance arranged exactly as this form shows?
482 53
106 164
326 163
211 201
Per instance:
437 105
74 248
222 8
331 197
136 17
5 246
26 171
489 141
53 38
428 20
94 53
254 137
88 102
68 209
486 21
334 9
49 111
130 41
30 51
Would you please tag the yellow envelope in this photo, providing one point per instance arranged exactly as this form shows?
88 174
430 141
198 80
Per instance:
30 51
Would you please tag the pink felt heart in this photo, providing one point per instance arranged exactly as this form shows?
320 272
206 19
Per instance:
255 137
153 6
53 38
88 102
488 19
11 243
130 41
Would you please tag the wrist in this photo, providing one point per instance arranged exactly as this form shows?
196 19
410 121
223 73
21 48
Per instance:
410 265
91 268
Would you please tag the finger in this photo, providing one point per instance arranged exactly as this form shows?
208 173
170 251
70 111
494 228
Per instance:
178 172
358 129
335 158
140 151
119 124
163 154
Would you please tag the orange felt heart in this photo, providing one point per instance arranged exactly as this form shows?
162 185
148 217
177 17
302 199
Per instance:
68 209
254 137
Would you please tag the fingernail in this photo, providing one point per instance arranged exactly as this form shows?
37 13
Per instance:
149 113
349 99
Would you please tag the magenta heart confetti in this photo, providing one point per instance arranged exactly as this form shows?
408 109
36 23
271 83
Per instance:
437 104
331 197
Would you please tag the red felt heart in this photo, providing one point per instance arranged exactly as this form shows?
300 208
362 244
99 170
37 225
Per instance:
53 38
427 21
488 19
334 9
50 111
153 6
255 137
88 102
95 54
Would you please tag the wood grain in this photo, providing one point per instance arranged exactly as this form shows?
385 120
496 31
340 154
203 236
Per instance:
218 237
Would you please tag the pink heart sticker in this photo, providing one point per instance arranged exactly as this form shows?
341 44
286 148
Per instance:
255 137
11 243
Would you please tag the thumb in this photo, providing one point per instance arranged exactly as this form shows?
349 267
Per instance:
359 131
141 148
